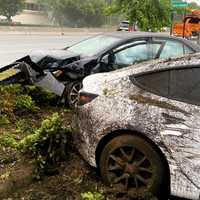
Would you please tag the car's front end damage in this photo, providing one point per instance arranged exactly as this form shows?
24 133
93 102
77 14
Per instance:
23 73
50 70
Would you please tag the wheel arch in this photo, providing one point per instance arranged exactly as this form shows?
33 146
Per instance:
108 137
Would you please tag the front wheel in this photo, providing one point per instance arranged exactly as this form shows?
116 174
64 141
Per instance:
133 167
72 93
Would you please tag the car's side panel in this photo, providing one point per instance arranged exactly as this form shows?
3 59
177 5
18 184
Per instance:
182 137
122 105
122 114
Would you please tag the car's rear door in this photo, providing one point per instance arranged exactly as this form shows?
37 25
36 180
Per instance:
179 123
182 130
172 48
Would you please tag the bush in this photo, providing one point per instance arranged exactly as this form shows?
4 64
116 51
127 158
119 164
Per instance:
8 141
25 103
40 96
47 145
92 196
8 95
24 126
4 120
13 98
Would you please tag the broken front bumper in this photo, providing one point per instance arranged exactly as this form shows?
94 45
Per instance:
24 73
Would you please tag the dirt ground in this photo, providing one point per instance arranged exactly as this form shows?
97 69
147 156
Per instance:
70 181
73 178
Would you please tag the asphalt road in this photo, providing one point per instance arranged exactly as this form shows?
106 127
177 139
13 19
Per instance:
13 46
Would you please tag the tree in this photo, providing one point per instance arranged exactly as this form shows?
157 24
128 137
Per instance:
76 13
194 5
10 8
147 14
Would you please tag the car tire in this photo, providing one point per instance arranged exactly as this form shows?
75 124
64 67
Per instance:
72 92
133 167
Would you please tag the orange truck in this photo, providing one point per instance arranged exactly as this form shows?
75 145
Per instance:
190 25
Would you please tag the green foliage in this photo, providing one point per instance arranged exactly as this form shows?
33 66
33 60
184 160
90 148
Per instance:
40 96
7 141
4 120
6 159
47 144
7 98
25 102
92 196
10 8
147 14
194 5
77 13
24 126
16 99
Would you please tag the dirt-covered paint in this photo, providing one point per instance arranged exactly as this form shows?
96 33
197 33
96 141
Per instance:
172 125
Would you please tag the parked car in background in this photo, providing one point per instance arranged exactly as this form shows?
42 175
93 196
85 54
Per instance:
125 26
140 126
62 71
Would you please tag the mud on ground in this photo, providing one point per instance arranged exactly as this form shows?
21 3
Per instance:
71 180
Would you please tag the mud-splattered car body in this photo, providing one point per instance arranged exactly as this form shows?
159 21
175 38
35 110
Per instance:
136 100
102 53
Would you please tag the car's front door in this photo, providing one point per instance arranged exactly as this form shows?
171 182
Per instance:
135 52
130 53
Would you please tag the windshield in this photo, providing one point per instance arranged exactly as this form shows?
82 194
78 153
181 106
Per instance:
92 46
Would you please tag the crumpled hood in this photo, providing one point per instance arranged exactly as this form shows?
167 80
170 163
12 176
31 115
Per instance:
60 54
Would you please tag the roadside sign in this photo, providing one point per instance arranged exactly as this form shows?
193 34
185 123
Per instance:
176 3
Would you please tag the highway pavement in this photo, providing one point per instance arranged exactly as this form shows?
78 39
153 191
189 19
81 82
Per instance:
15 46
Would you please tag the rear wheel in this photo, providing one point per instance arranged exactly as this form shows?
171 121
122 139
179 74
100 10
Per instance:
133 167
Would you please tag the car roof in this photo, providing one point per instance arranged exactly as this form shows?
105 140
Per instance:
124 21
125 36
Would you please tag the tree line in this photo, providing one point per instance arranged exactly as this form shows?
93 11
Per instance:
147 14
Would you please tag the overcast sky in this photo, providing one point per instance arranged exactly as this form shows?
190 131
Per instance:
197 1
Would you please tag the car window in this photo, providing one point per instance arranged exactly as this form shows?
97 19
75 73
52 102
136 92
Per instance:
138 53
156 82
178 84
174 48
185 85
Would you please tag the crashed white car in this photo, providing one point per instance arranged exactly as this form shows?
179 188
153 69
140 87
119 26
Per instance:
141 127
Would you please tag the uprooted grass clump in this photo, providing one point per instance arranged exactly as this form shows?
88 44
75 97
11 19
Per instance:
47 145
13 99
8 98
17 99
20 131
25 103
